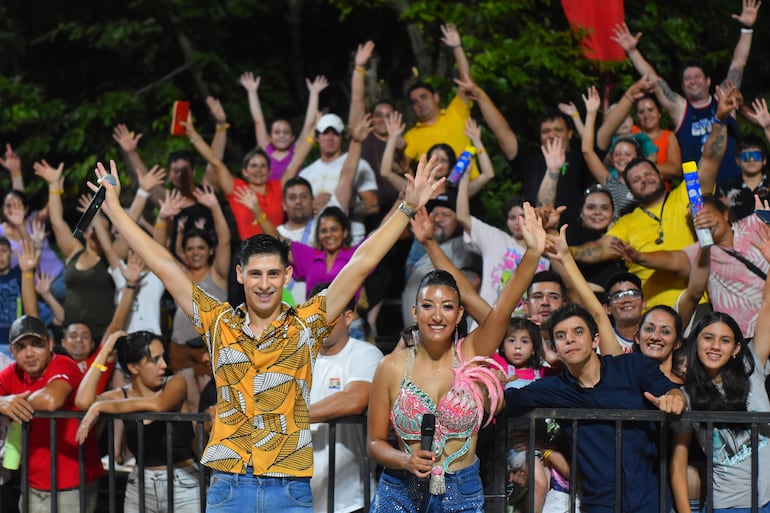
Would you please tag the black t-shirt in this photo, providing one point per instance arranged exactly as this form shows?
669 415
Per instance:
529 168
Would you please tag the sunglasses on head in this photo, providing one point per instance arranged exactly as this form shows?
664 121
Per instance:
751 155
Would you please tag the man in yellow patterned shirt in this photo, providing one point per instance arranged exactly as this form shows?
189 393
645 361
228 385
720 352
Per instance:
262 353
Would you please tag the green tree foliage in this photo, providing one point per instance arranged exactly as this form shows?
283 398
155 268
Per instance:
71 72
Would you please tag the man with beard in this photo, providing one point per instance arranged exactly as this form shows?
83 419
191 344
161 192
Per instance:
447 232
661 221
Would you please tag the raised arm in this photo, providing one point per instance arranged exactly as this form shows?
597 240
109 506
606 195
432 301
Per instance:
760 116
157 257
696 285
485 339
570 110
128 141
314 89
374 248
223 175
28 259
251 84
473 131
345 190
422 227
615 117
395 127
493 118
451 38
169 208
563 263
206 197
555 156
12 163
358 83
67 242
219 142
714 149
463 204
747 19
672 102
594 163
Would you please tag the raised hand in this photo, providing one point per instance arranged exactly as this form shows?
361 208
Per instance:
557 245
532 230
451 37
748 15
422 226
362 129
112 192
592 101
151 178
134 269
126 139
28 257
206 196
181 224
38 233
364 53
729 100
246 197
422 186
11 162
622 36
171 205
473 131
249 81
760 114
43 281
217 112
467 87
83 201
317 85
569 109
553 151
48 173
394 123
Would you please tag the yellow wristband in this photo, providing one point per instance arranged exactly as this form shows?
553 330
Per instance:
100 366
574 115
480 151
56 192
223 128
259 219
160 224
310 139
547 454
361 70
28 274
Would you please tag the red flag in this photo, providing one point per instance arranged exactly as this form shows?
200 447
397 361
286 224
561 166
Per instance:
596 17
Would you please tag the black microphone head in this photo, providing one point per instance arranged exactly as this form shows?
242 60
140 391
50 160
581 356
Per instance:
428 426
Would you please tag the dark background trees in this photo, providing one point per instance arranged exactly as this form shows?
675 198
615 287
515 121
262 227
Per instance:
70 71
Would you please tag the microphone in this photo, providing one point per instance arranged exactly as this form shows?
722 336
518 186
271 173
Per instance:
93 208
427 429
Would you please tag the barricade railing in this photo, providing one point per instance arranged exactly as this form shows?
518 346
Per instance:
495 495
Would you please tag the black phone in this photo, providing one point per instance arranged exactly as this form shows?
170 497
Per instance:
764 215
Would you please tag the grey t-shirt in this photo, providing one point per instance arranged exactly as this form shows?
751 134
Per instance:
732 449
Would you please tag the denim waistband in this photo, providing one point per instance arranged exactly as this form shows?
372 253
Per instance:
249 477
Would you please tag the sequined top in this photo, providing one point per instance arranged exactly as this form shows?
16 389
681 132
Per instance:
457 415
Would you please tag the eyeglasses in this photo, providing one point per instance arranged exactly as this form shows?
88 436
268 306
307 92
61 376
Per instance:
622 294
751 155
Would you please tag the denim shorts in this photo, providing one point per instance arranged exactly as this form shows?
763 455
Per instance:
401 491
236 493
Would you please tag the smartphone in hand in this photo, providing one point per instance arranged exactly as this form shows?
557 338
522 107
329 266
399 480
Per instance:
179 114
764 215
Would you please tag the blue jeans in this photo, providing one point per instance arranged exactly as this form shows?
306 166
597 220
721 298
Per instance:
761 509
400 491
234 493
186 490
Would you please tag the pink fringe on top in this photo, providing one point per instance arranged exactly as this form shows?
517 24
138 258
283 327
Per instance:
474 374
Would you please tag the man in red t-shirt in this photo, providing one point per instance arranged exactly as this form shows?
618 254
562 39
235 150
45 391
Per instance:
40 380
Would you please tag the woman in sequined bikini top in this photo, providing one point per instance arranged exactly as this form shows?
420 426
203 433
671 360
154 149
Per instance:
441 375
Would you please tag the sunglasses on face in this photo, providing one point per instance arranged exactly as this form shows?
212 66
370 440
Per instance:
751 155
622 294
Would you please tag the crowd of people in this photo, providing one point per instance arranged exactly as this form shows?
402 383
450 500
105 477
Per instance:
597 294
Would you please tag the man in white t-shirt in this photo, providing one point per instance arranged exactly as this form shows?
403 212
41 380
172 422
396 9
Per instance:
342 378
323 176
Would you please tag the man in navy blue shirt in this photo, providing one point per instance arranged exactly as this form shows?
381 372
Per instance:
630 381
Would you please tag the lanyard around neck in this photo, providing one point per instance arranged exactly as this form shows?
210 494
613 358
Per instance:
659 220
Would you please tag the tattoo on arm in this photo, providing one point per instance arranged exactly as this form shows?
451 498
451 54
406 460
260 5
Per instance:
667 92
735 76
717 146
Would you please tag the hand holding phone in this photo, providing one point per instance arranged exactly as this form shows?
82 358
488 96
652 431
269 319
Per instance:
179 114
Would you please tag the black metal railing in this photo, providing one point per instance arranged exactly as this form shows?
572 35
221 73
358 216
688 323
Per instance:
495 478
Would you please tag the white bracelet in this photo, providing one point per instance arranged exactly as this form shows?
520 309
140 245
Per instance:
745 30
142 193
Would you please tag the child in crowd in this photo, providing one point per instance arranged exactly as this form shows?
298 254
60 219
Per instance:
10 293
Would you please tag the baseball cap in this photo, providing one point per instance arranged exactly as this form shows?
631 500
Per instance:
328 121
446 200
27 326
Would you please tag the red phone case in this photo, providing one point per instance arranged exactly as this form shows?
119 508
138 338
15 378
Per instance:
179 115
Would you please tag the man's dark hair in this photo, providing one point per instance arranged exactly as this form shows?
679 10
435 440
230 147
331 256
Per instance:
623 276
548 277
185 155
420 85
351 306
693 63
297 180
263 245
638 161
553 114
567 311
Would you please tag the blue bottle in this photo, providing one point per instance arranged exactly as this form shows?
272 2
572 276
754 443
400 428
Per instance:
462 165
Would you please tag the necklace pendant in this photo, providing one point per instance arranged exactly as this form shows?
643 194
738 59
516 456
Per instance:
437 484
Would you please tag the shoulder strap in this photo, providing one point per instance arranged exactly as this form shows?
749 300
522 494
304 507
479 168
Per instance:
745 261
